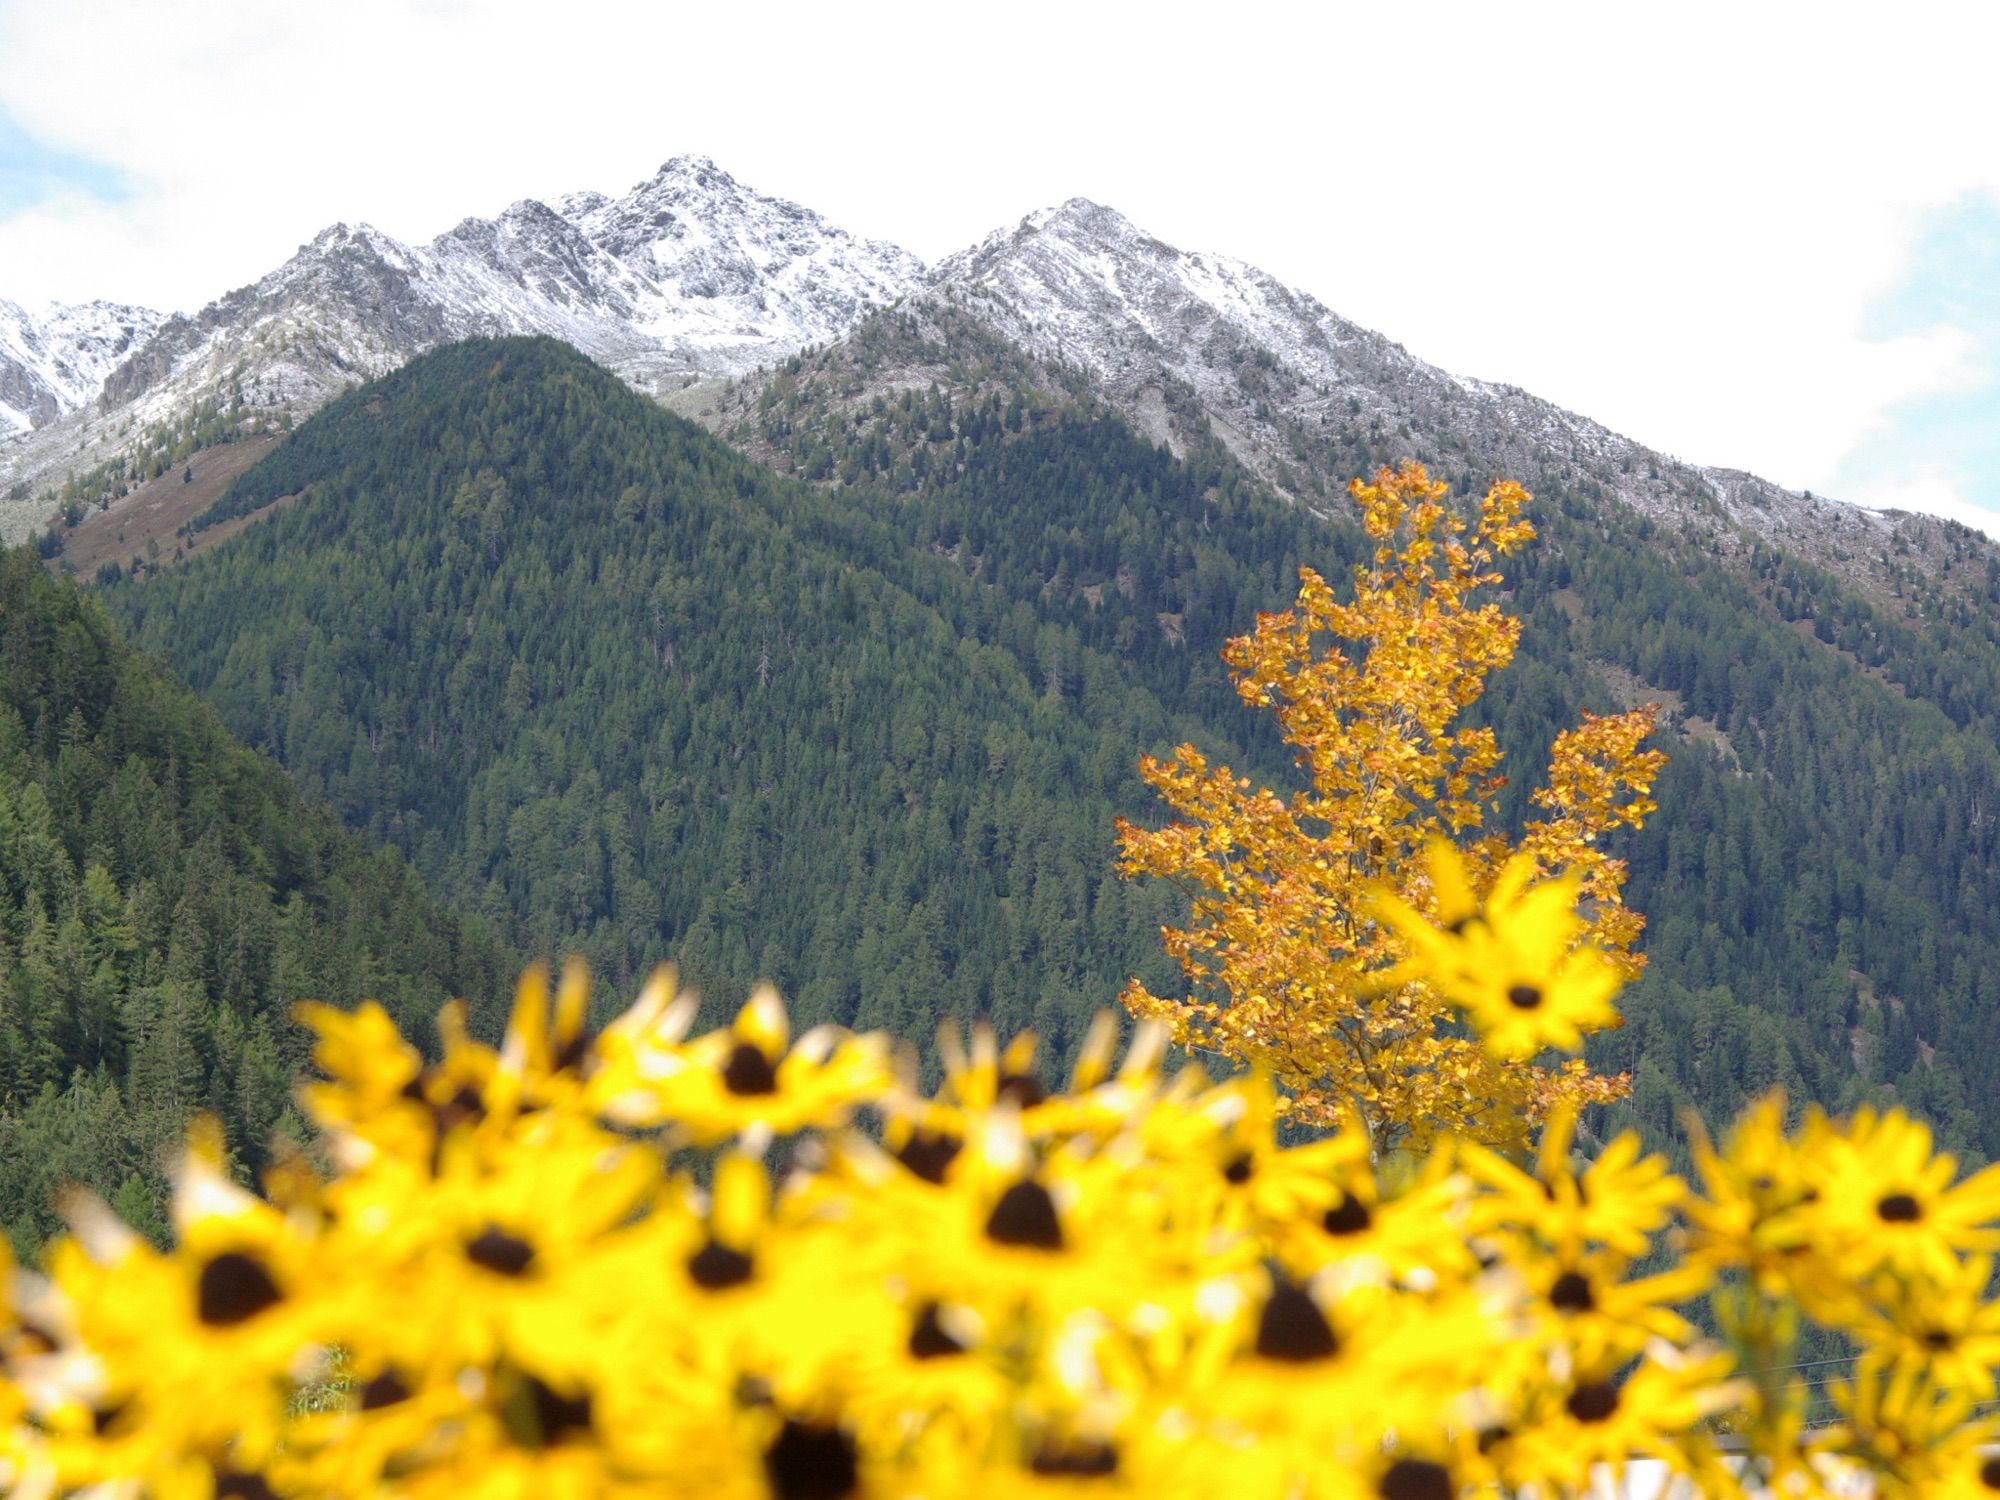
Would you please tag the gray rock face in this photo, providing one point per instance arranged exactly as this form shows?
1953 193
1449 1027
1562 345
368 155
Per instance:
693 275
53 361
1288 384
690 274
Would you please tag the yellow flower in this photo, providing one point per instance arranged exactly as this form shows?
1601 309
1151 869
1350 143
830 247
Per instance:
728 1082
1940 1324
502 1252
195 1351
1514 962
1620 1200
1585 1303
1596 1418
1889 1199
1007 1233
936 1374
1328 1375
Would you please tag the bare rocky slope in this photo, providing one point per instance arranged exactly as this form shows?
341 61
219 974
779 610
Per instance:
1189 345
690 274
697 288
54 360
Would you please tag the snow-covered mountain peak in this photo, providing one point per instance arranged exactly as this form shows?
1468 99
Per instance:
54 358
690 274
691 208
342 235
744 260
696 168
1275 372
1082 218
574 206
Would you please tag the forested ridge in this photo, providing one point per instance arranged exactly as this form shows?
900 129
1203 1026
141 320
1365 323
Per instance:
618 688
165 896
612 684
1820 872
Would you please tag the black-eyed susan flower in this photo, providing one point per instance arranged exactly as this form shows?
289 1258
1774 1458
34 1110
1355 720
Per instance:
1599 1417
748 1077
1940 1324
1889 1197
1619 1199
197 1350
1514 963
1601 1316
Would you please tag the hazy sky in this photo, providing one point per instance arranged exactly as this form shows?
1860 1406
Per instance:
1758 236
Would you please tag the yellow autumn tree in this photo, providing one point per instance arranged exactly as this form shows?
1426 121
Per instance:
1291 967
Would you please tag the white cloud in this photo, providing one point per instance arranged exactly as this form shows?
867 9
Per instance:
1671 219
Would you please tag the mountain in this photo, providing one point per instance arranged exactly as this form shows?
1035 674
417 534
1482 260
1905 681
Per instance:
55 361
1185 345
1820 873
692 277
621 689
689 274
166 895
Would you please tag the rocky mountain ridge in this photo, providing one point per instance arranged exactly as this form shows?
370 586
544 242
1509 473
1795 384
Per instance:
688 275
1189 346
692 278
54 359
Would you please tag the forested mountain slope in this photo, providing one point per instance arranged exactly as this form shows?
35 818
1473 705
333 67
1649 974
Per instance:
1822 868
165 896
623 689
609 682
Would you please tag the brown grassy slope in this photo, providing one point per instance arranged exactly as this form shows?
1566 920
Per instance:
158 508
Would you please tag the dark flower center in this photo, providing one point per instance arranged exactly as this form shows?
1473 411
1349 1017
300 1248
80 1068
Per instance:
241 1484
749 1071
1292 1328
29 1338
1416 1479
464 1107
386 1389
1240 1167
233 1288
1025 1089
541 1417
1524 996
929 1338
1349 1216
928 1155
811 1463
1938 1340
500 1252
715 1267
104 1418
1025 1216
1989 1473
1899 1208
1571 1293
1076 1461
1593 1401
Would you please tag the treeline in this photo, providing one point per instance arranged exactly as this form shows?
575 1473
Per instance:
1820 873
619 689
158 449
165 896
613 685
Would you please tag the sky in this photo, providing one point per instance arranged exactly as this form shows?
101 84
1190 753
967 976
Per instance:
1753 235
